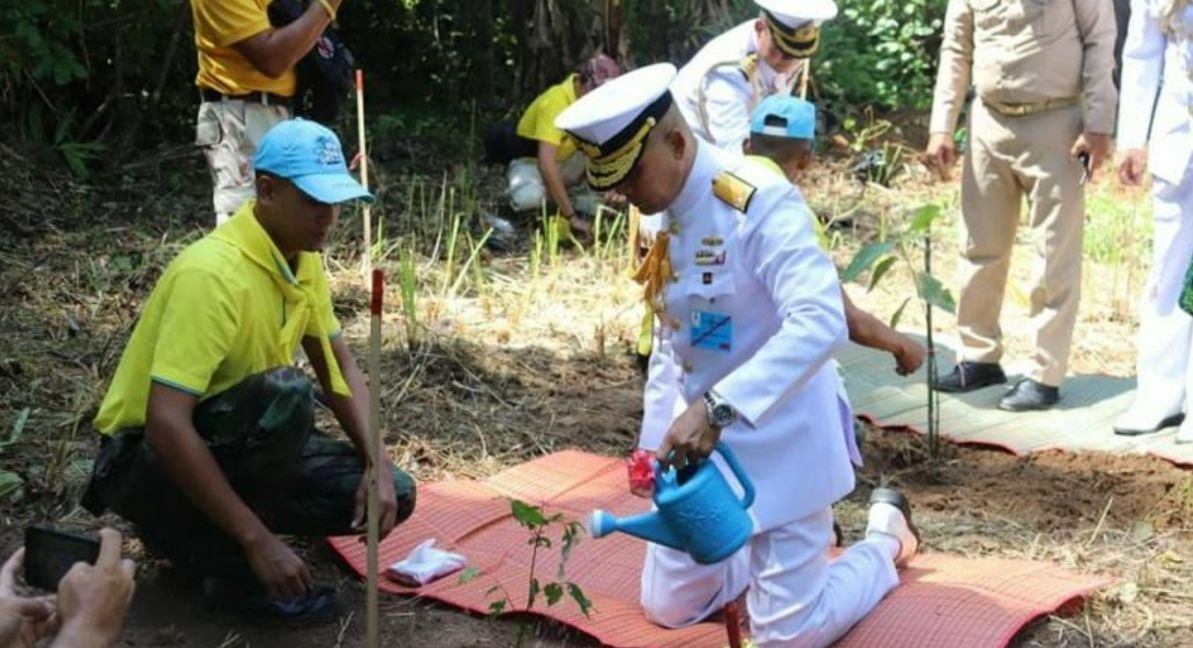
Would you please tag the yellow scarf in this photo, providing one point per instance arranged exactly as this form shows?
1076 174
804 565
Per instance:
245 233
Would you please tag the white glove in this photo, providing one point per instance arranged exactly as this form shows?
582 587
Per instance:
425 564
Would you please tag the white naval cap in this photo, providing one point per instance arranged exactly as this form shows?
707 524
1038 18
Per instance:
611 122
794 25
795 13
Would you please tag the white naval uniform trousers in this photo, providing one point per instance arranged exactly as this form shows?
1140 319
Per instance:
1158 71
754 311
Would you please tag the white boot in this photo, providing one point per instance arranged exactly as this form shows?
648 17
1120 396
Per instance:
1185 433
1161 372
1162 364
890 518
1145 417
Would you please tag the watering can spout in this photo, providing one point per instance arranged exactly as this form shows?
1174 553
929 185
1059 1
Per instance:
647 526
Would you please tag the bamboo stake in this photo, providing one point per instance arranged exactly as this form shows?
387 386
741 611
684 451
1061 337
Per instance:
367 256
733 624
804 78
372 629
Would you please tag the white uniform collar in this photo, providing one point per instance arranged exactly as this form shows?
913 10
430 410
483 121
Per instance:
699 183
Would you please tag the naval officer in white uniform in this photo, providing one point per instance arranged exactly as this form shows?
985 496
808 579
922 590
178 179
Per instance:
1158 71
750 312
719 88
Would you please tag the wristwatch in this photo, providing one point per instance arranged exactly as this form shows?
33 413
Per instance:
720 413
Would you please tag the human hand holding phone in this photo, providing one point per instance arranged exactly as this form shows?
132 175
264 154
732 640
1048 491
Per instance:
93 599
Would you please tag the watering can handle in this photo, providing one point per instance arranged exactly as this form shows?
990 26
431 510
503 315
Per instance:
747 499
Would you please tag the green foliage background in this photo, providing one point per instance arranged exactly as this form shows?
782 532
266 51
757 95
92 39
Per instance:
83 81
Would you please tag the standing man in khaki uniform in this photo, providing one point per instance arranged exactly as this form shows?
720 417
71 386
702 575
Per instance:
1045 100
246 79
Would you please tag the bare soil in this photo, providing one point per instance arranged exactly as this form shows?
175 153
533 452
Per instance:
525 365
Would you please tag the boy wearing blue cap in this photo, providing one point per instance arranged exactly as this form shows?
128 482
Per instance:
208 437
782 130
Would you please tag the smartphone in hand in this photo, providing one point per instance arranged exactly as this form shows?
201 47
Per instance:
1083 158
50 553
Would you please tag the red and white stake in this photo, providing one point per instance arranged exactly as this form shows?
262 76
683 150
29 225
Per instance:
372 627
367 256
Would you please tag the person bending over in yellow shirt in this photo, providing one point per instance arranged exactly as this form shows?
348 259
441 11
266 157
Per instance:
208 438
781 132
542 167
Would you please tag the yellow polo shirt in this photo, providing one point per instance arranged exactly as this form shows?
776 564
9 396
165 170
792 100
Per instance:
218 25
538 122
226 308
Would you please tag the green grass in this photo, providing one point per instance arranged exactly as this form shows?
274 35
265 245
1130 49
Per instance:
1118 227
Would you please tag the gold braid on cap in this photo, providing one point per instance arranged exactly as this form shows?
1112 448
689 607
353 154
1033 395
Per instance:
610 163
798 42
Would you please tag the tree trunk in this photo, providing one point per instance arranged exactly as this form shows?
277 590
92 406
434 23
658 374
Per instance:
554 36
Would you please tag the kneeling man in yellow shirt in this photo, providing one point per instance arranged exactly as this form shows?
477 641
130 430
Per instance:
208 437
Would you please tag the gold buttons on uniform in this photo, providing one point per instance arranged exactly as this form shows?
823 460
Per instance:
675 325
673 227
687 367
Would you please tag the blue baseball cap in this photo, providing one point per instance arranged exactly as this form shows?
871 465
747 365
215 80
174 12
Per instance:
309 155
784 116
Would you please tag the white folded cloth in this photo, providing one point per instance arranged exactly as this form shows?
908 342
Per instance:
425 564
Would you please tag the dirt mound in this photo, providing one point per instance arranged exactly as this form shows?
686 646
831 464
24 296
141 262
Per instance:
1049 490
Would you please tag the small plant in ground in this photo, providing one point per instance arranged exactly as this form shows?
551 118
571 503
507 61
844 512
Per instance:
539 525
876 161
879 258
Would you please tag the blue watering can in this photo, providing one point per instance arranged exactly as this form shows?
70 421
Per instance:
698 514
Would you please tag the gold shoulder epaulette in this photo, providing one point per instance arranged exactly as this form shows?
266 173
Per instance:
748 66
734 191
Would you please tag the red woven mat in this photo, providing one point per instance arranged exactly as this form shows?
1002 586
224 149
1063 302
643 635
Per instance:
944 601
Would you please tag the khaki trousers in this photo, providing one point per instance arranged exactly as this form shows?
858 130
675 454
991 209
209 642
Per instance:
1011 158
229 132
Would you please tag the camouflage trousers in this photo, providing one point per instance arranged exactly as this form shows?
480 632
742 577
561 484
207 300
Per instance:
229 132
261 432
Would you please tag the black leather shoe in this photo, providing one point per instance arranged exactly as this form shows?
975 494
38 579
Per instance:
1029 395
968 376
903 530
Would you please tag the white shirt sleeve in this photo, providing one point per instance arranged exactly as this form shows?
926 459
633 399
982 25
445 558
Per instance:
660 396
726 104
1143 65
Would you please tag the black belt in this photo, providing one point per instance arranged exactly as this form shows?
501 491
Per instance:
265 98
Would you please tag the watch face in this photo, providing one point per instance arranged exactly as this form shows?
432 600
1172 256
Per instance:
723 415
